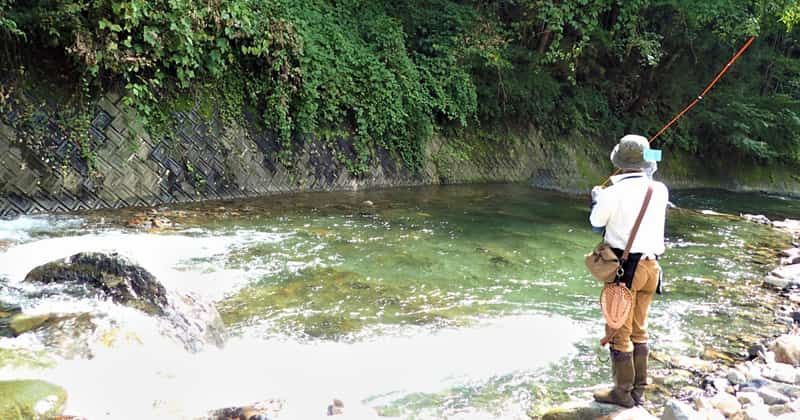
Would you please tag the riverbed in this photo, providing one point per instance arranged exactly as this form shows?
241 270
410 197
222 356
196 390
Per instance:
458 302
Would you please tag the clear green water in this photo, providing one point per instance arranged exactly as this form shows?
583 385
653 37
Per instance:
480 261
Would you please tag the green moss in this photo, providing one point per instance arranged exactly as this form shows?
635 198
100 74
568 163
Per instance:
21 324
29 399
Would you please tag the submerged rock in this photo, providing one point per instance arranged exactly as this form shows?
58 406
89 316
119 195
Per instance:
30 399
189 319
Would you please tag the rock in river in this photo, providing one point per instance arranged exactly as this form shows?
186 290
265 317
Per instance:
30 399
108 276
111 276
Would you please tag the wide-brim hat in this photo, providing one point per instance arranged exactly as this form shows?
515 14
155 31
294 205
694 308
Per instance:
629 153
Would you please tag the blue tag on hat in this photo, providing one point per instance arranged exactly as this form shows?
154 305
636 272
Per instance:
652 155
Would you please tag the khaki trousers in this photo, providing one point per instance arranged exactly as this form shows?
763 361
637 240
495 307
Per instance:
645 282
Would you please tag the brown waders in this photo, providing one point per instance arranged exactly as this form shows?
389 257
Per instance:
629 349
640 352
623 372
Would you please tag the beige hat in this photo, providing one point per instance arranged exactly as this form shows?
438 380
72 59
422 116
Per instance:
629 153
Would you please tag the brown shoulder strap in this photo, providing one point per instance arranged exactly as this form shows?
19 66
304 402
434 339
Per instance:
638 222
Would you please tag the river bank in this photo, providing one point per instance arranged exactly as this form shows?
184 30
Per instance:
760 384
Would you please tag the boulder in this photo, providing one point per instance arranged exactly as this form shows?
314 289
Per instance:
772 397
30 399
108 276
189 319
787 349
581 410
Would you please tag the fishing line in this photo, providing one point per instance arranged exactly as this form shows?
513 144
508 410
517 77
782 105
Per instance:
698 98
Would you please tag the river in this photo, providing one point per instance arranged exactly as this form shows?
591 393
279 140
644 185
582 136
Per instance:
459 302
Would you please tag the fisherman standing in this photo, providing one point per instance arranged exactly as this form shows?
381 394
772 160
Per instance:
616 209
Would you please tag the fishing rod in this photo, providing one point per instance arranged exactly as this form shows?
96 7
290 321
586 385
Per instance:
697 99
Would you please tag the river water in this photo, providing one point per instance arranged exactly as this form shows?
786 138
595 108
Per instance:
462 302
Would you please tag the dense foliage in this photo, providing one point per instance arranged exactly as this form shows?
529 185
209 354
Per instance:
391 73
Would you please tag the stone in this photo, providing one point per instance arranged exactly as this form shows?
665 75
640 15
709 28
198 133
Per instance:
772 397
336 407
677 410
787 349
757 412
777 282
726 403
778 410
29 399
193 321
749 398
791 273
104 275
756 218
780 372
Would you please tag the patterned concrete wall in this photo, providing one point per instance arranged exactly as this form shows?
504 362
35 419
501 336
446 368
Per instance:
200 161
204 160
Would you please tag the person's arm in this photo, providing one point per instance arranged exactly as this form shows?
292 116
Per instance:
604 206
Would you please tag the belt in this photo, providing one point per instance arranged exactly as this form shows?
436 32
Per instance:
636 255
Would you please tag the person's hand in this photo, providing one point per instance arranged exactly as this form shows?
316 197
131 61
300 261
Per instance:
596 192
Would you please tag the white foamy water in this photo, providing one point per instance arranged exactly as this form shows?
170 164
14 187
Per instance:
161 254
160 380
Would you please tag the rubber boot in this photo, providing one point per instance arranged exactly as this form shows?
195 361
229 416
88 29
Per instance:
622 370
640 352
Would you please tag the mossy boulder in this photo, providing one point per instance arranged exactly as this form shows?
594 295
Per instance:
191 320
29 399
104 275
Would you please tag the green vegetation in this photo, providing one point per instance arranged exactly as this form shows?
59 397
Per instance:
390 74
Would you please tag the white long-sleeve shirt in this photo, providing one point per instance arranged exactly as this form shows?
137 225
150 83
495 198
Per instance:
617 207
